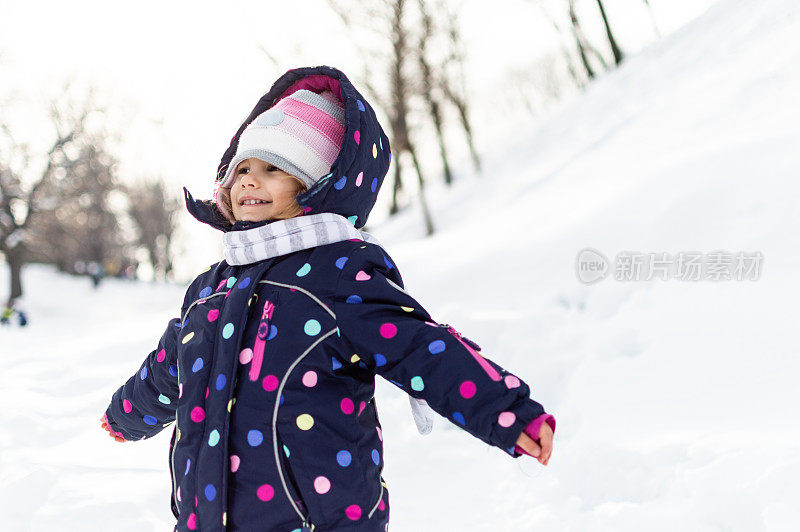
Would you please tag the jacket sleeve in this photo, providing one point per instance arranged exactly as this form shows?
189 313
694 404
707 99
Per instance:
386 331
146 403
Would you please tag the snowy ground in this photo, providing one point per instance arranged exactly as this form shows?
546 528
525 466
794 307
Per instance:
675 401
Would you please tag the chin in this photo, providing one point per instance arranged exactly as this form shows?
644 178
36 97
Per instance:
251 217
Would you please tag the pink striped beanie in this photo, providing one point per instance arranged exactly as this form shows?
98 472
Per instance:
301 134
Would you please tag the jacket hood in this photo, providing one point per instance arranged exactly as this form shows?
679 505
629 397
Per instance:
352 186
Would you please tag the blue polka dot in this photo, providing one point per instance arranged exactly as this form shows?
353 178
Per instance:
361 364
416 384
273 331
211 492
149 420
435 347
344 458
376 456
374 184
388 264
227 331
286 451
281 401
360 105
380 141
459 418
340 262
213 438
221 379
244 283
231 281
335 364
163 399
380 360
353 299
198 365
173 370
205 291
143 373
188 465
254 437
340 183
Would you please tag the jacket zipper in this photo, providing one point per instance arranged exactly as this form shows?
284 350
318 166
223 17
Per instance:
261 339
307 524
473 349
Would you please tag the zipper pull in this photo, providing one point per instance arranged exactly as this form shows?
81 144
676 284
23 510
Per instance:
454 332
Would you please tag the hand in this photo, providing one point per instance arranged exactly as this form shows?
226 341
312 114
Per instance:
116 435
541 450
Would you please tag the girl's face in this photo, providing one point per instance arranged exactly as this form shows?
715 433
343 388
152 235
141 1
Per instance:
261 191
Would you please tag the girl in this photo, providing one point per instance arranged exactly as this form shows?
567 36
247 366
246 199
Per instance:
268 371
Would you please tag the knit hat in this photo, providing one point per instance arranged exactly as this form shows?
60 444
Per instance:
301 134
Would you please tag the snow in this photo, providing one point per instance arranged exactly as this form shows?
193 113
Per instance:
675 400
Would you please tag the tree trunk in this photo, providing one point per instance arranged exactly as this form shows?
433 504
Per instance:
397 185
618 55
580 40
423 202
16 259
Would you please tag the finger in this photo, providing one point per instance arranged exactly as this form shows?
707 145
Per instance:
529 445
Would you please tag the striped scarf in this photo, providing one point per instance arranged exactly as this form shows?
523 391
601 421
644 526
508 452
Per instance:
287 236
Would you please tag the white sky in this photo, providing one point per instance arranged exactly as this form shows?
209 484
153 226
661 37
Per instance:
180 76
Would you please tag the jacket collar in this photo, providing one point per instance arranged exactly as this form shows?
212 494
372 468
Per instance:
250 242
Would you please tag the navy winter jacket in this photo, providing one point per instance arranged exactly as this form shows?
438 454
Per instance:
268 371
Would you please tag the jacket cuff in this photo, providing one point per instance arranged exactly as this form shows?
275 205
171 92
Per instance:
510 424
532 430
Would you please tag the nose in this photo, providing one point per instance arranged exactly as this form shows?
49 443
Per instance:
248 180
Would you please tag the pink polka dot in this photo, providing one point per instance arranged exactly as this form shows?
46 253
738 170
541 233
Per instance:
245 356
235 461
265 492
467 389
206 393
381 505
195 501
357 137
506 419
221 284
213 314
180 389
363 276
178 493
511 381
310 378
380 434
197 414
161 355
270 383
359 178
346 405
361 407
127 406
192 521
388 330
322 484
353 512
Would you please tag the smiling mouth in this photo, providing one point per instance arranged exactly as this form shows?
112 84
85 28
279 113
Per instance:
247 203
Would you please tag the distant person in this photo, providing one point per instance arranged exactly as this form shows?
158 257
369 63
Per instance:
96 273
269 368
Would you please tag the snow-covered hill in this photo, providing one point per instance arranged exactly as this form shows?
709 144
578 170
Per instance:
675 400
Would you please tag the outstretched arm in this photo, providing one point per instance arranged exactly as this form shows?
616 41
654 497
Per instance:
146 403
387 331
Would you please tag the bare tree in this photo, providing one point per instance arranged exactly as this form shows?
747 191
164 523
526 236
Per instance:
23 185
618 55
583 44
153 211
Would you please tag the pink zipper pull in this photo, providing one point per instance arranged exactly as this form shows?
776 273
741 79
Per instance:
261 339
493 374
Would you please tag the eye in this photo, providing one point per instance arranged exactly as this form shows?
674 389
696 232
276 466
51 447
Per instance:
243 170
271 168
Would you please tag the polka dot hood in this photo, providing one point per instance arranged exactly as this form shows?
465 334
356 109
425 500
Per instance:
351 187
266 374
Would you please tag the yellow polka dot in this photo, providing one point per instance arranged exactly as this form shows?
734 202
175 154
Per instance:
224 518
230 403
374 151
178 436
354 359
408 309
305 421
188 337
204 271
